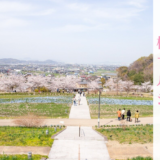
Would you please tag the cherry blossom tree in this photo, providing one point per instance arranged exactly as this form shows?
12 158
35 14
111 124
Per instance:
9 83
147 87
109 84
128 86
94 86
38 81
68 83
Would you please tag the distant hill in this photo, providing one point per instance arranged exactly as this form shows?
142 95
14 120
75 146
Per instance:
139 71
9 60
16 61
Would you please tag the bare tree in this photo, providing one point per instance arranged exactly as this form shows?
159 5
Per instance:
117 84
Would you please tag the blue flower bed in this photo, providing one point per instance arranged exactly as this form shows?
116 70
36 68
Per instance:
120 101
58 99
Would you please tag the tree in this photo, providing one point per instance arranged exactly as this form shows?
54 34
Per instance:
10 83
128 86
122 72
93 86
68 83
138 79
147 87
110 84
117 84
103 80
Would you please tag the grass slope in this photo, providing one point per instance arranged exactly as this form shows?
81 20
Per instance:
110 111
138 134
22 136
46 110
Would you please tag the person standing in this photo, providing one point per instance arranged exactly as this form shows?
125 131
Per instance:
136 116
80 93
119 114
129 115
83 94
123 113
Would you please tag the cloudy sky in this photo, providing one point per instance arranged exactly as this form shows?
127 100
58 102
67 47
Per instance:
76 31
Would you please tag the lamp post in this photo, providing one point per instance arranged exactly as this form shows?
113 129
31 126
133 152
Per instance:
99 110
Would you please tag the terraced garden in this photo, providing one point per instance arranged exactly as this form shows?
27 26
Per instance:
129 135
23 136
46 110
110 111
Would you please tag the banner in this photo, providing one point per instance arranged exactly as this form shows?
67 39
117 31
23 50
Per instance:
156 77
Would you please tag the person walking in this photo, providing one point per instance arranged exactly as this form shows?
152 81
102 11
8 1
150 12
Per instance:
83 94
123 113
79 100
119 114
80 93
136 116
129 115
74 101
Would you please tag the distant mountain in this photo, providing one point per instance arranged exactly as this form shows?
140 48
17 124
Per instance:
16 61
9 60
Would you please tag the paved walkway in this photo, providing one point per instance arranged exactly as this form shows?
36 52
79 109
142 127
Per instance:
72 145
80 111
82 122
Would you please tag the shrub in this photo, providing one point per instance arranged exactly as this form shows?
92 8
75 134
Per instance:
30 120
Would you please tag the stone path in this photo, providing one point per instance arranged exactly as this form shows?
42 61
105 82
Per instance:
69 145
80 111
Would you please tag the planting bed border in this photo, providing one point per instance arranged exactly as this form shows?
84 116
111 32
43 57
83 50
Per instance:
58 133
105 138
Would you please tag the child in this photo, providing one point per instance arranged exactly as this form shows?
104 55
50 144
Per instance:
136 116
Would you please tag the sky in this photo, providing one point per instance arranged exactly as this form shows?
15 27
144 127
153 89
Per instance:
76 31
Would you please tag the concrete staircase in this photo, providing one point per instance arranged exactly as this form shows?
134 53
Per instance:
69 146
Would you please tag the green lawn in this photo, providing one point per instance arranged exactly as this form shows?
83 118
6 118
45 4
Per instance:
110 111
32 95
21 157
46 110
22 136
138 134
